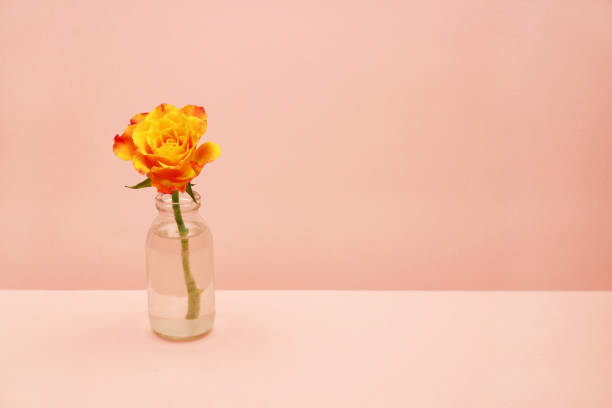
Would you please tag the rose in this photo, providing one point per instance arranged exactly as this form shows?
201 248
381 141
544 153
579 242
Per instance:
163 145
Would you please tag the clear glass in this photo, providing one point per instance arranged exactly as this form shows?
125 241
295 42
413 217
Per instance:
180 270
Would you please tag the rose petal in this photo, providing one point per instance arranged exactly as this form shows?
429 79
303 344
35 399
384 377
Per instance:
161 111
139 117
170 153
206 153
197 127
165 186
168 179
142 163
123 147
140 136
193 110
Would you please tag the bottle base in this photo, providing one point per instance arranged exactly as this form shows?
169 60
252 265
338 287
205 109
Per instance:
181 329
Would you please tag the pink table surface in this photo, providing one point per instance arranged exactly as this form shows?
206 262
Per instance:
311 348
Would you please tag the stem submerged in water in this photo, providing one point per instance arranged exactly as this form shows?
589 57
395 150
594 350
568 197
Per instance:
193 292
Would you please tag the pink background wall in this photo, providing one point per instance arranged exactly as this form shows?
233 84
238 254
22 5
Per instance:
426 145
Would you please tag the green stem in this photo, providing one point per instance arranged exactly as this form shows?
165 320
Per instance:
193 292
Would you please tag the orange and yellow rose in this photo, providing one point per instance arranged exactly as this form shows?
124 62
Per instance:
163 145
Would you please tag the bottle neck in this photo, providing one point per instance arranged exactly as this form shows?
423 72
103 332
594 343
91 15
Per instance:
165 206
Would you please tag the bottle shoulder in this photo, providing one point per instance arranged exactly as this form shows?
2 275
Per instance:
164 227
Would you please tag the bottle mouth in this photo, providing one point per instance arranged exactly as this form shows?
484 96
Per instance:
163 202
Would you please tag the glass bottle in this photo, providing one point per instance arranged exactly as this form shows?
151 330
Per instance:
179 261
